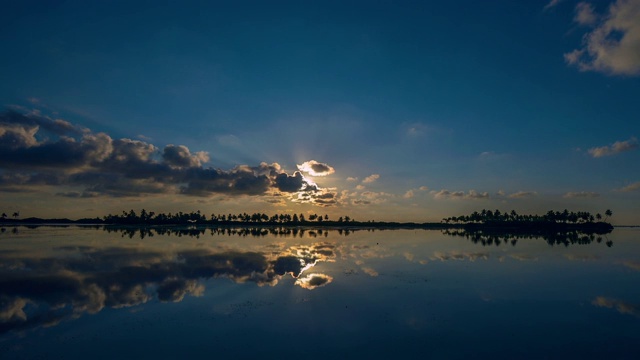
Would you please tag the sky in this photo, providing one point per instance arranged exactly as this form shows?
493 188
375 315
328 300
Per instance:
379 110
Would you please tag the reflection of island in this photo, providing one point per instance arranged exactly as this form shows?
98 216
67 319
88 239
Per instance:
497 237
42 290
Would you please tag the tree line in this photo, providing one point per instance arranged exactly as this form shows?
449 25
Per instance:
197 217
563 217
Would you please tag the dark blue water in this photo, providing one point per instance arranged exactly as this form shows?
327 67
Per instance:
82 292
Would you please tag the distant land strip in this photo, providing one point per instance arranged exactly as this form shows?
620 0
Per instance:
486 220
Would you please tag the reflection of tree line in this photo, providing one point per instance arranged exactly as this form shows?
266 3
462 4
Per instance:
197 231
497 238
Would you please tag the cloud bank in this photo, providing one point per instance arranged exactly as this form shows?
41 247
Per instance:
37 151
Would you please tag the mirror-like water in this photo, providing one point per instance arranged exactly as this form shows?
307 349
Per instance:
79 292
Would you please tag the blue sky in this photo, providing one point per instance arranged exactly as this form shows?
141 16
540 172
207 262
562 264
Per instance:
453 106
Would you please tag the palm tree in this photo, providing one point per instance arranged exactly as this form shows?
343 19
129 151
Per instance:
608 213
4 215
16 214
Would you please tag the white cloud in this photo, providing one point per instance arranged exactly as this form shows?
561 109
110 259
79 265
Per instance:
613 44
615 148
351 178
408 195
371 178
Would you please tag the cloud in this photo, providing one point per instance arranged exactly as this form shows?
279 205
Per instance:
580 194
612 46
36 151
615 148
351 178
471 195
631 187
371 178
408 195
315 168
523 195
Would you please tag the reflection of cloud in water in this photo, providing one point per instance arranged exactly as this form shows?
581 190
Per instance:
370 271
585 257
456 255
38 290
313 281
621 306
631 264
523 257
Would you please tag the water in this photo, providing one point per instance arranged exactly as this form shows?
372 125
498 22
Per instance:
80 292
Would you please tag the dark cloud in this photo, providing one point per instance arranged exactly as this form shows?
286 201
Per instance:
97 165
288 183
180 156
36 120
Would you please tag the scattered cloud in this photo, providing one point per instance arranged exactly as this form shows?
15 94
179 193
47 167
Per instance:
615 148
315 168
471 195
371 178
580 194
612 45
408 195
631 187
351 178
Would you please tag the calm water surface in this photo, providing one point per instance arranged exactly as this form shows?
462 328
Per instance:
80 292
